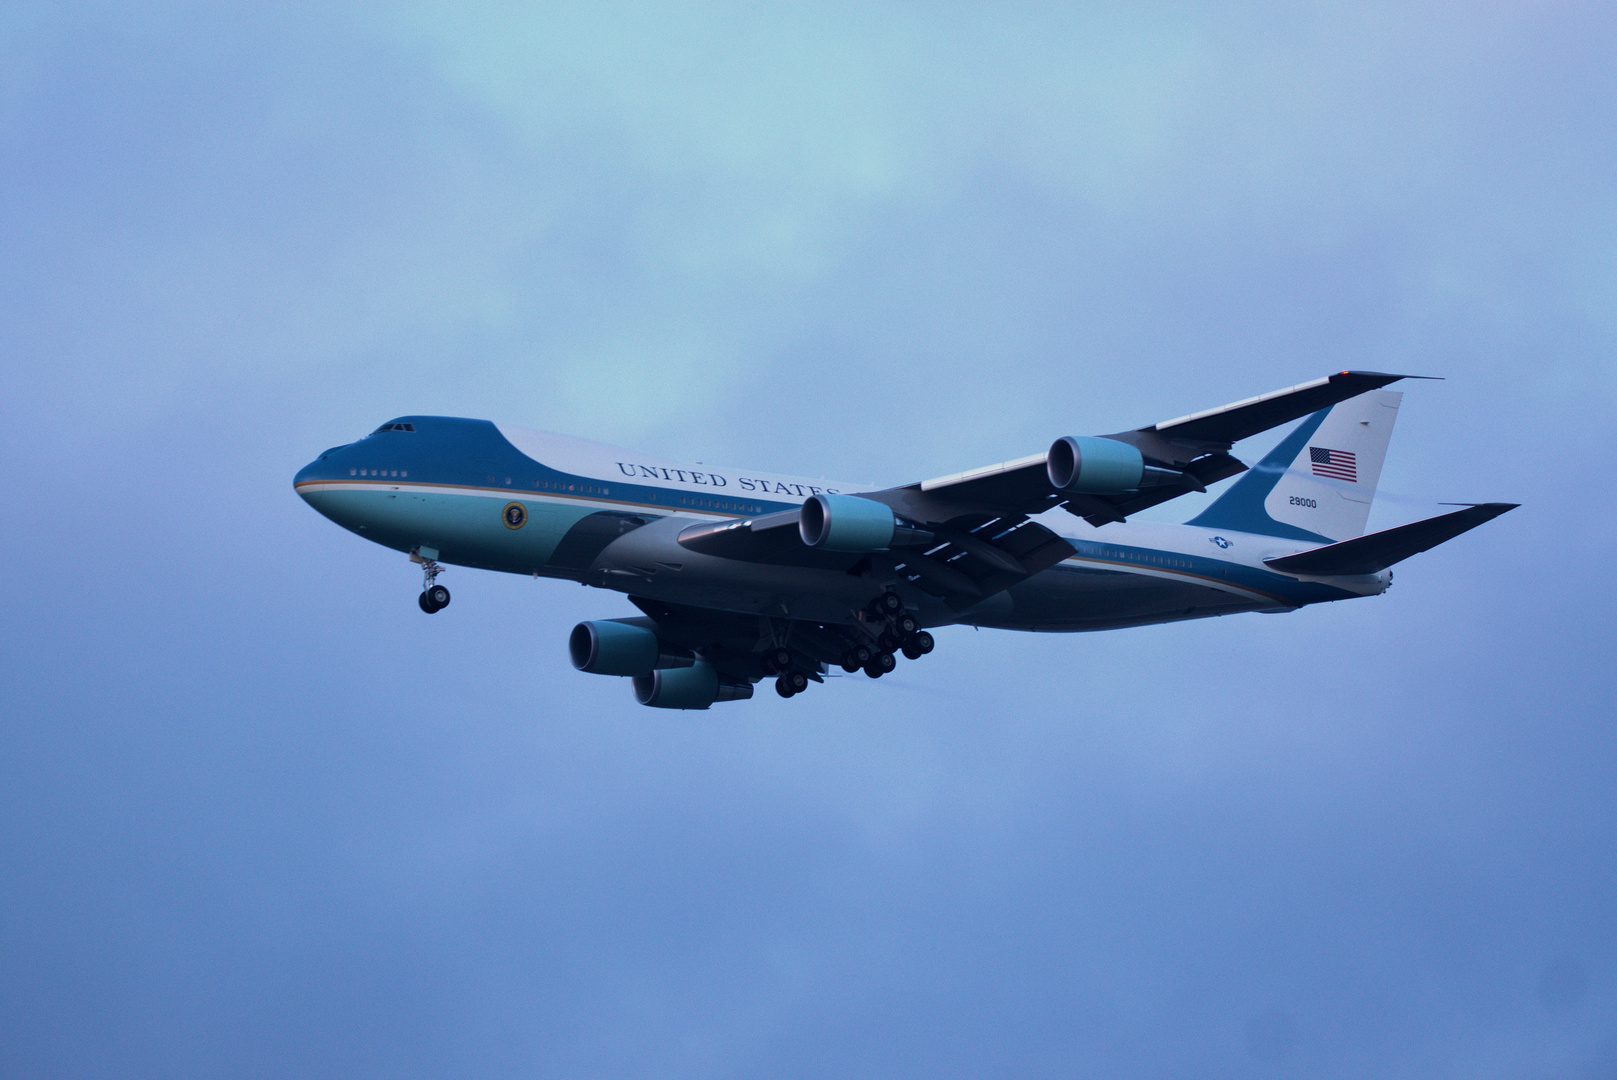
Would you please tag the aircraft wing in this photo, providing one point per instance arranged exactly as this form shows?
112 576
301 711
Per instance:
1181 439
969 535
1181 455
962 560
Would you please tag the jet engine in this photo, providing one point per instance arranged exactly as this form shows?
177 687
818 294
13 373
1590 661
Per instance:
846 523
1094 466
621 647
694 687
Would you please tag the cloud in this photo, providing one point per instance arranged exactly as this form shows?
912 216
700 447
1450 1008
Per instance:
263 816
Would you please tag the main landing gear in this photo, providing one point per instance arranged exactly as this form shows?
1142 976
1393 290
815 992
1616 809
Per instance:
790 680
434 597
900 633
890 629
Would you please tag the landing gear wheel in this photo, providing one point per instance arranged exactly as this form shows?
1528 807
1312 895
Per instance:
797 681
889 603
850 664
438 597
783 687
777 661
426 605
923 642
887 640
880 665
906 626
910 651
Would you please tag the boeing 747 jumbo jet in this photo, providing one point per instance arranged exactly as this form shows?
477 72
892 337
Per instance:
745 575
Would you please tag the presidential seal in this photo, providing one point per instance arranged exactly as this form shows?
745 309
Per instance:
515 515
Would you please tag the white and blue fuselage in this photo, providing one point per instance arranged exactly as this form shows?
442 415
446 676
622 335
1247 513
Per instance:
478 494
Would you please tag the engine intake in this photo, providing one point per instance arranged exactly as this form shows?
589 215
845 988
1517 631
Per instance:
621 647
694 687
846 523
1094 466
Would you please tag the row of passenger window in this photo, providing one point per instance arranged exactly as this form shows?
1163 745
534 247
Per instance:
562 485
377 472
721 504
1154 560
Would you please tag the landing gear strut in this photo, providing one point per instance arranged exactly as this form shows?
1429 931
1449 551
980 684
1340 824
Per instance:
434 597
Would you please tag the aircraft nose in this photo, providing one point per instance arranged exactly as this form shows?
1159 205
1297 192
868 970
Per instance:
321 468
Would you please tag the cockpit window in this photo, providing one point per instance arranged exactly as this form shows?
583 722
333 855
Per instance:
393 427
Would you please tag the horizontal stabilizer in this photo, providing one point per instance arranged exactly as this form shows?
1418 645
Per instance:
1379 550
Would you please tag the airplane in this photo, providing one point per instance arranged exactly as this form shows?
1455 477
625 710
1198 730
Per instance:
744 575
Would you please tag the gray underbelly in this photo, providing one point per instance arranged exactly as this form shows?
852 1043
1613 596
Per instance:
1068 598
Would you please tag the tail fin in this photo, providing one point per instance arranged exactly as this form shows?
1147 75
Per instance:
1318 483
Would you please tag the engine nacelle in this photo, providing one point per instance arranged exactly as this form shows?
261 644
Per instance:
694 687
614 648
1094 466
846 523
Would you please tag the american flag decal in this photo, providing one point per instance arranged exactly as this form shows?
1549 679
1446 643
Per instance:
1337 464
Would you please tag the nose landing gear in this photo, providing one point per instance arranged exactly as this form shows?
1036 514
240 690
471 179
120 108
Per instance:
434 597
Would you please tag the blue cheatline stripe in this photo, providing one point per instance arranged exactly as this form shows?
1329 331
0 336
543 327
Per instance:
1240 509
1201 569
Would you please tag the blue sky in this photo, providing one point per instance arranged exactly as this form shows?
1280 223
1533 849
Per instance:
261 817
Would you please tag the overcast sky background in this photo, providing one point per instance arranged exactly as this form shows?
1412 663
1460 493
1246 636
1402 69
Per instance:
261 817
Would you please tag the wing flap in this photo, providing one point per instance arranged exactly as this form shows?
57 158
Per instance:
977 557
1379 550
969 557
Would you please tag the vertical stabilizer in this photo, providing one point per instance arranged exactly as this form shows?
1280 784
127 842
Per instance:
1318 483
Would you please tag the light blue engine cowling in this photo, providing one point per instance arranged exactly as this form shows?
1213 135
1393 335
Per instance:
694 687
613 648
1094 466
846 523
